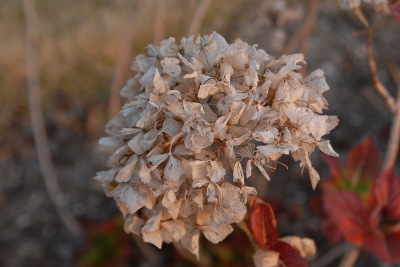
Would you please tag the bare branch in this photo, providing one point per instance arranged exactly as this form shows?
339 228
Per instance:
331 255
199 17
350 258
390 102
394 140
302 36
393 146
360 15
38 125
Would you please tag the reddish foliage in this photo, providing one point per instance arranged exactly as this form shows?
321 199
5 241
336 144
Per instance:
263 225
334 166
395 9
347 211
384 207
363 205
363 161
288 256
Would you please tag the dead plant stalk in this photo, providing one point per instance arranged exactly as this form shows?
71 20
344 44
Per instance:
390 102
198 17
37 121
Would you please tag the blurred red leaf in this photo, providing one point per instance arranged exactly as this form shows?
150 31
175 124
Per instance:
348 212
363 161
106 244
374 225
395 9
335 167
263 224
385 246
331 231
364 205
386 195
288 256
384 204
329 228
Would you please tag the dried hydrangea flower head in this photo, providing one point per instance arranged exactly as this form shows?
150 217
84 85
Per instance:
199 117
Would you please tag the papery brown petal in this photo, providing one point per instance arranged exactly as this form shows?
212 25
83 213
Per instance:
265 258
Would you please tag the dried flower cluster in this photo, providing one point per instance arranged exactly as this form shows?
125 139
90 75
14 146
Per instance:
199 116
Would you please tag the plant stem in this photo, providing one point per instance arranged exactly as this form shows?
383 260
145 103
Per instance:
198 17
331 255
390 102
302 36
37 121
350 258
394 139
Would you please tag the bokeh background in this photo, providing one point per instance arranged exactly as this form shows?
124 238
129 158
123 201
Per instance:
84 52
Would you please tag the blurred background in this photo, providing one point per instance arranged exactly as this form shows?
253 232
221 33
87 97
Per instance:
84 51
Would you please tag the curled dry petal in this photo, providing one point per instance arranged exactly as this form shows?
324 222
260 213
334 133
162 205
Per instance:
266 258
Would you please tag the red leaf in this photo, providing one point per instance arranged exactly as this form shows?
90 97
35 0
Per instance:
384 204
317 205
385 247
395 9
332 232
263 224
348 212
335 167
393 208
380 191
393 244
288 255
386 195
364 161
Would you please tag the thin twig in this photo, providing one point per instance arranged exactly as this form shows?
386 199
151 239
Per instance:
360 15
350 258
198 17
394 72
303 34
329 257
393 146
122 62
38 125
394 139
390 102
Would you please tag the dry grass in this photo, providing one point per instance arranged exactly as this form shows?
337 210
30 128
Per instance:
78 48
